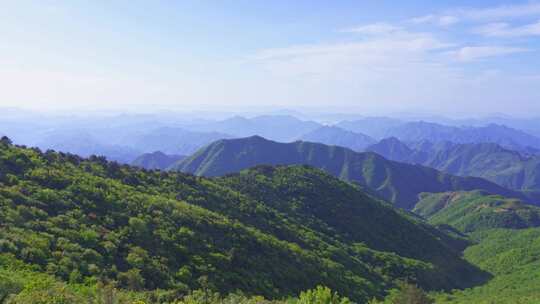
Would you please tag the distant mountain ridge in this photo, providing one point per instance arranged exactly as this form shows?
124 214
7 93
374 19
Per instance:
492 133
376 127
276 127
178 141
331 135
156 160
127 147
491 161
397 182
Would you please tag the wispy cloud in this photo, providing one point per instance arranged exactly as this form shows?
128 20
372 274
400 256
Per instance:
404 63
470 53
389 43
373 29
502 29
441 20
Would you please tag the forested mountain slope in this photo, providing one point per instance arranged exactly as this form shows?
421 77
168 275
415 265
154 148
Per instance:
471 211
506 234
513 257
269 231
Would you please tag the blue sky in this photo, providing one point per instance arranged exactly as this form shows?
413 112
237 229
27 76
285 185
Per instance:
447 57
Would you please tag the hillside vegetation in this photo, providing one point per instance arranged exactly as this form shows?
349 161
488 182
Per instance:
471 211
507 244
267 231
513 257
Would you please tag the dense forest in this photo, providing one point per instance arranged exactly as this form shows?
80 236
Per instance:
86 230
267 231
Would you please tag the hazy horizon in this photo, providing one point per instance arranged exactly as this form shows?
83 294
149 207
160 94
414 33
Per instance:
302 113
377 57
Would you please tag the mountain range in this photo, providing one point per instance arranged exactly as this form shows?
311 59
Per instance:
493 133
508 168
124 137
399 183
375 127
283 128
124 146
174 141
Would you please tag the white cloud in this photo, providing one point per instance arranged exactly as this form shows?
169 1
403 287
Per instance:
376 49
398 70
501 29
448 20
442 20
470 53
373 29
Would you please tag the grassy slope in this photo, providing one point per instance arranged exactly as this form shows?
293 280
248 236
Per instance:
505 246
471 211
513 256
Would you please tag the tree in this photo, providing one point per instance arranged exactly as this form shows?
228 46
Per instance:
131 279
6 141
408 294
321 295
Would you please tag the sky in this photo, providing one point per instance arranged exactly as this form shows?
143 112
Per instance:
443 57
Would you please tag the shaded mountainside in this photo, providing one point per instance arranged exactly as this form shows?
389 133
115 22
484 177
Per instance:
156 160
269 231
339 137
471 211
397 182
491 161
393 149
